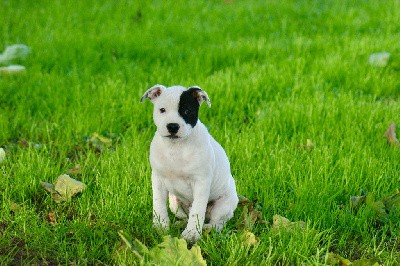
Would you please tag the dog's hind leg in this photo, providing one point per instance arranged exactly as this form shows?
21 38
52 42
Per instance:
177 207
221 211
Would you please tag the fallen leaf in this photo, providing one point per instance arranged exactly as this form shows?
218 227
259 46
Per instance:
2 155
75 171
392 201
12 70
251 215
380 207
100 142
390 134
335 259
243 200
280 222
138 249
172 251
14 207
64 188
51 218
308 146
377 206
14 52
357 201
365 262
249 239
379 59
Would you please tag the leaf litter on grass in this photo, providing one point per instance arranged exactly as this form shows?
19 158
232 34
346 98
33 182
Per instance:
283 223
390 135
335 259
64 188
381 207
308 146
100 142
171 251
251 214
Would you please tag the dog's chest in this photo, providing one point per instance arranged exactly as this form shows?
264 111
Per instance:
174 162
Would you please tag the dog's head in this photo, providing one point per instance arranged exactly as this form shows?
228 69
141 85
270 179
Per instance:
176 109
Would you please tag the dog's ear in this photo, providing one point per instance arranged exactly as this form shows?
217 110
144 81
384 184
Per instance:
200 95
153 92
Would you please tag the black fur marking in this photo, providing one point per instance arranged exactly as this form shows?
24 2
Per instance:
189 106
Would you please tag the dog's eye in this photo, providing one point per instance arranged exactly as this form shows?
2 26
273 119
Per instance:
187 112
162 110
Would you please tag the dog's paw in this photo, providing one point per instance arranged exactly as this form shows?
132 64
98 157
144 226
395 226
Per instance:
191 236
161 226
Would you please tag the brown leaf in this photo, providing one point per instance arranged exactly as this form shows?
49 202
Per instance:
390 134
51 218
250 214
75 171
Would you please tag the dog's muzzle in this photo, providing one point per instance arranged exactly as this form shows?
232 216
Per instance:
173 128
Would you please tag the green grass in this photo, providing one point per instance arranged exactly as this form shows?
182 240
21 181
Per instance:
277 73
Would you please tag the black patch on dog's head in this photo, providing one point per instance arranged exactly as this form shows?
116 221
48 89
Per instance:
189 106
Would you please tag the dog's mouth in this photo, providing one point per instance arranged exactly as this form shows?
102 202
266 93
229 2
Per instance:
172 136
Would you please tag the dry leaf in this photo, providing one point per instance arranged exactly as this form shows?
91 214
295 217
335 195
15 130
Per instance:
64 188
51 218
357 201
390 134
172 251
377 206
380 207
75 171
243 200
14 207
250 214
100 142
280 222
392 201
249 239
335 259
308 146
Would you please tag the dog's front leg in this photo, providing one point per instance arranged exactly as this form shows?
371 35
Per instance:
160 193
201 193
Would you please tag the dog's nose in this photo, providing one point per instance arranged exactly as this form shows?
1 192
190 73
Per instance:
173 128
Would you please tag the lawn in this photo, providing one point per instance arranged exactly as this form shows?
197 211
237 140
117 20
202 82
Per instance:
277 73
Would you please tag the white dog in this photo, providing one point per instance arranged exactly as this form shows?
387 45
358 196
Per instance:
188 166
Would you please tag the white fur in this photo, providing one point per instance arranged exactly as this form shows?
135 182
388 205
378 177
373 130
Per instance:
193 170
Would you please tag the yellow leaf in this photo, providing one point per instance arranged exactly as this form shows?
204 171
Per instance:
174 251
390 134
64 188
280 222
249 239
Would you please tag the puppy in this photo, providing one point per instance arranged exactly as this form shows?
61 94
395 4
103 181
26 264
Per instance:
188 166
